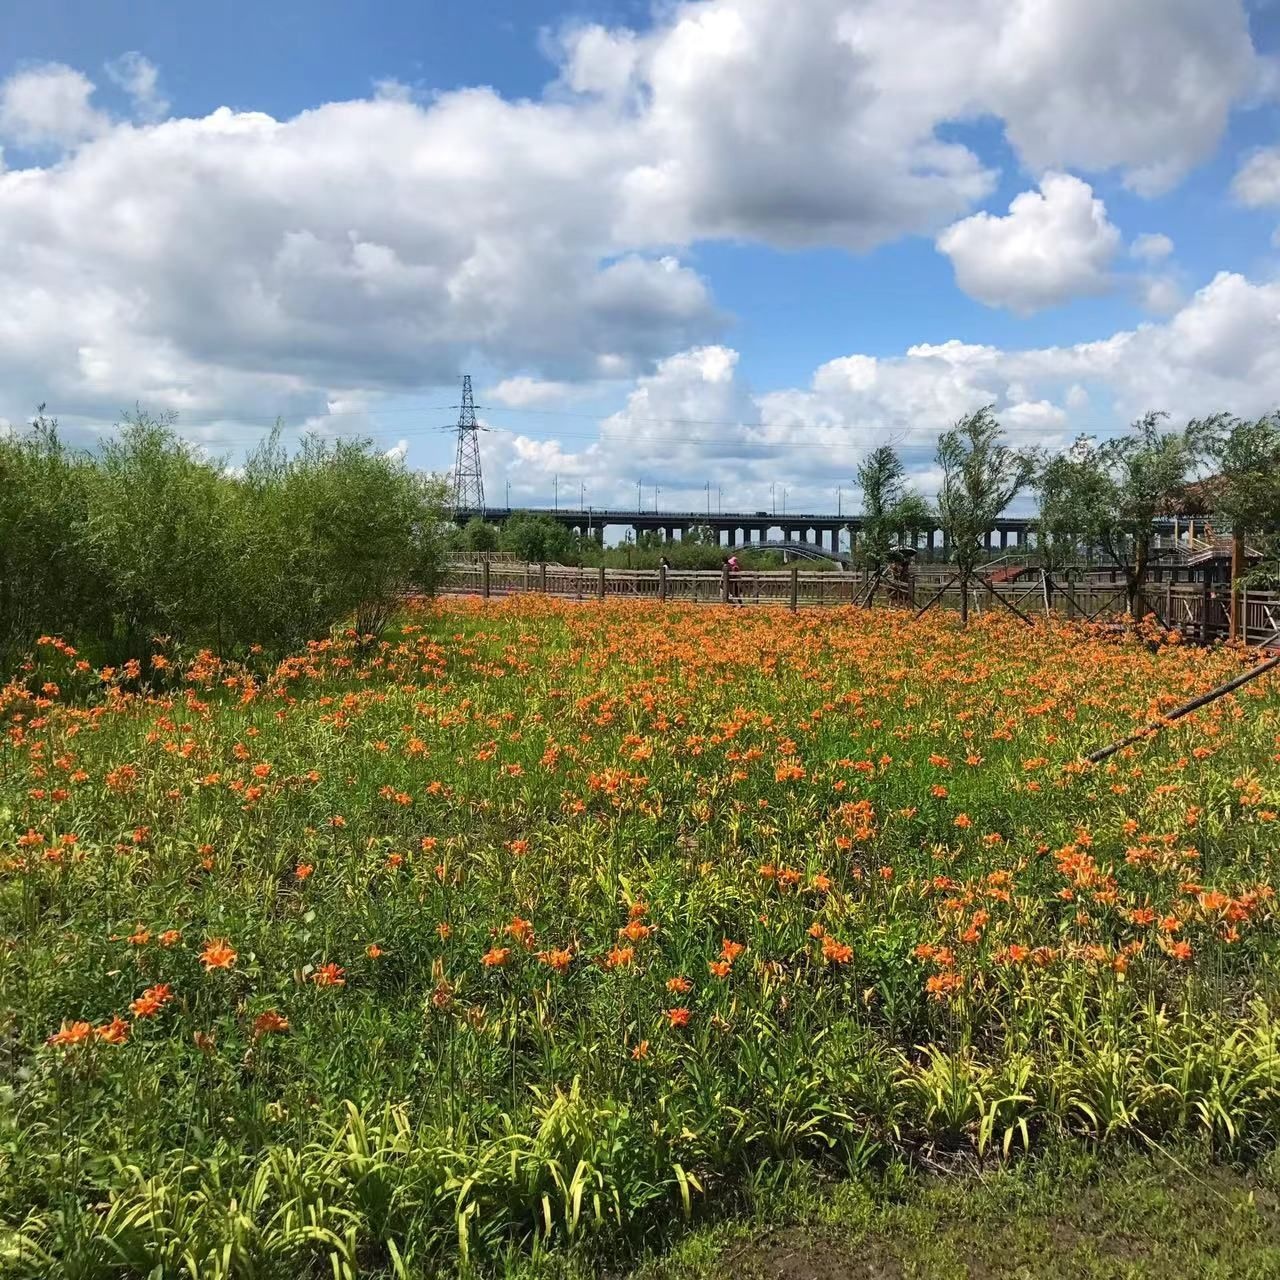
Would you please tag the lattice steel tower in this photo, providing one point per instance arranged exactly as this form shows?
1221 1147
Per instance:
468 482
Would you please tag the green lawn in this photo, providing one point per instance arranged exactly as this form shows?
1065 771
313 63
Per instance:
1070 1215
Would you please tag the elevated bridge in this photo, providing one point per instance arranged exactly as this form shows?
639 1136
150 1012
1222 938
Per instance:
797 530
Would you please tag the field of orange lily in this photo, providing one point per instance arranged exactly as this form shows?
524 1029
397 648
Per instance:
539 926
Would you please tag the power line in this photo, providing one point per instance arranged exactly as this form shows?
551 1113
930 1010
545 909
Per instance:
319 419
852 433
731 445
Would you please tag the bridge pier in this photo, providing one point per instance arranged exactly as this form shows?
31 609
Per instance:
742 528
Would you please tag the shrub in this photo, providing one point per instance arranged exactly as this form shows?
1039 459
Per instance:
147 537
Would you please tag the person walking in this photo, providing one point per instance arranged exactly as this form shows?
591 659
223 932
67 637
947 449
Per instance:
735 580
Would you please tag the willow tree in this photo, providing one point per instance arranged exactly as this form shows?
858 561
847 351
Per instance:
1073 493
1113 492
981 476
1245 489
890 508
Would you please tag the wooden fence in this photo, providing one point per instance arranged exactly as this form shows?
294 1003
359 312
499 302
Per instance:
1198 611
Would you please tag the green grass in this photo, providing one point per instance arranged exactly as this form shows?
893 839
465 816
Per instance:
1073 1216
582 919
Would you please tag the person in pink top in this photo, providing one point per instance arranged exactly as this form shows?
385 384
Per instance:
735 580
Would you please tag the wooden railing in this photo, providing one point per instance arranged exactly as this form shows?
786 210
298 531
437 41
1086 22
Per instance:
1188 607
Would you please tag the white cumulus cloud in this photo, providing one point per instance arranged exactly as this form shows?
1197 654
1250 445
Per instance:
523 392
695 419
1257 182
139 78
49 106
238 264
1151 247
1054 244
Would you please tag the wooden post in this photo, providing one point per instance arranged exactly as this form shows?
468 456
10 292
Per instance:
662 582
724 583
1237 572
484 578
795 588
600 582
1205 595
542 578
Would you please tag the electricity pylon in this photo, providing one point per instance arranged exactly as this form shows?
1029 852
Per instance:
468 480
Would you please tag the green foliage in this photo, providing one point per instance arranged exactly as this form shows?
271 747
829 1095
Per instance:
1107 497
537 539
147 537
981 476
331 532
1245 487
903 920
1070 1214
890 509
156 535
476 535
1071 489
699 550
45 580
1245 456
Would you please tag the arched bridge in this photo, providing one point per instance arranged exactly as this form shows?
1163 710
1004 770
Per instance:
795 550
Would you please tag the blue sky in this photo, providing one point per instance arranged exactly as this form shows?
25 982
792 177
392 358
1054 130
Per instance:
680 242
